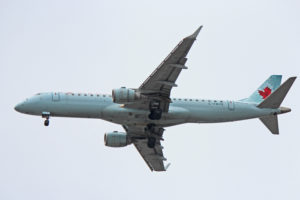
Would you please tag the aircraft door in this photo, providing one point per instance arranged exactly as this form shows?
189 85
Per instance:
230 105
55 96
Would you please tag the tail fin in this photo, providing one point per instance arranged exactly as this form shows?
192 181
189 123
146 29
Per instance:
270 85
274 101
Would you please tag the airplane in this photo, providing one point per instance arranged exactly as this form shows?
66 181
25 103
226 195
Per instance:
146 111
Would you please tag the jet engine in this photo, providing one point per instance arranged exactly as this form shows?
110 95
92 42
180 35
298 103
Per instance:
116 139
125 95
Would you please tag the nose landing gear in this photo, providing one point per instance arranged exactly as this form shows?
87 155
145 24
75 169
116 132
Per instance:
46 122
47 116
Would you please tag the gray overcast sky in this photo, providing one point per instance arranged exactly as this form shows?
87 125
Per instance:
94 46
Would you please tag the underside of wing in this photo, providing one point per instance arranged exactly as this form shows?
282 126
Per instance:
161 81
153 156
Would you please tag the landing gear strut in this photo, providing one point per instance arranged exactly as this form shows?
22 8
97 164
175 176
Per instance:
154 133
151 142
155 111
47 116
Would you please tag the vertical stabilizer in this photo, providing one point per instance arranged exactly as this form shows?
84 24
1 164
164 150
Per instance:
276 98
271 122
273 101
270 85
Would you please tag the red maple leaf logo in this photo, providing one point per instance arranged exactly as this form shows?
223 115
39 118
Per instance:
265 93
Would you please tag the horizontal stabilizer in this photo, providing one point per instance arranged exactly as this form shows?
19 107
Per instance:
275 99
271 122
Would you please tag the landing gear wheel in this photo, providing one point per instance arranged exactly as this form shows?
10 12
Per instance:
151 142
155 114
155 111
46 115
150 128
46 122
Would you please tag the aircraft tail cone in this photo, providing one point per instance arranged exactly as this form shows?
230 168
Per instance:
284 110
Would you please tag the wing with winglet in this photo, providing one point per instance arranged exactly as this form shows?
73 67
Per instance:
153 157
161 81
157 88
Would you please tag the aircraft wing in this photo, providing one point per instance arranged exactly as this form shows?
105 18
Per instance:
159 84
153 157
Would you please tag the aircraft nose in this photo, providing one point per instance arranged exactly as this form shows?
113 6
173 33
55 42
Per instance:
18 107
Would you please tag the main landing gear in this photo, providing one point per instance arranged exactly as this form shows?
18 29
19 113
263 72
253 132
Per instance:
47 116
155 111
154 133
151 142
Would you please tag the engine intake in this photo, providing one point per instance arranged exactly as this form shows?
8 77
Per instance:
116 139
125 95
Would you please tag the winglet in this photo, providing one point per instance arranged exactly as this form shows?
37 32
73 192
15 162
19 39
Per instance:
195 34
167 166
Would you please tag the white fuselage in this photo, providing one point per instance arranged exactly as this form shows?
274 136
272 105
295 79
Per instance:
101 106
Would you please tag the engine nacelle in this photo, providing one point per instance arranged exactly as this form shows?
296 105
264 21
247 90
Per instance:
116 139
125 95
